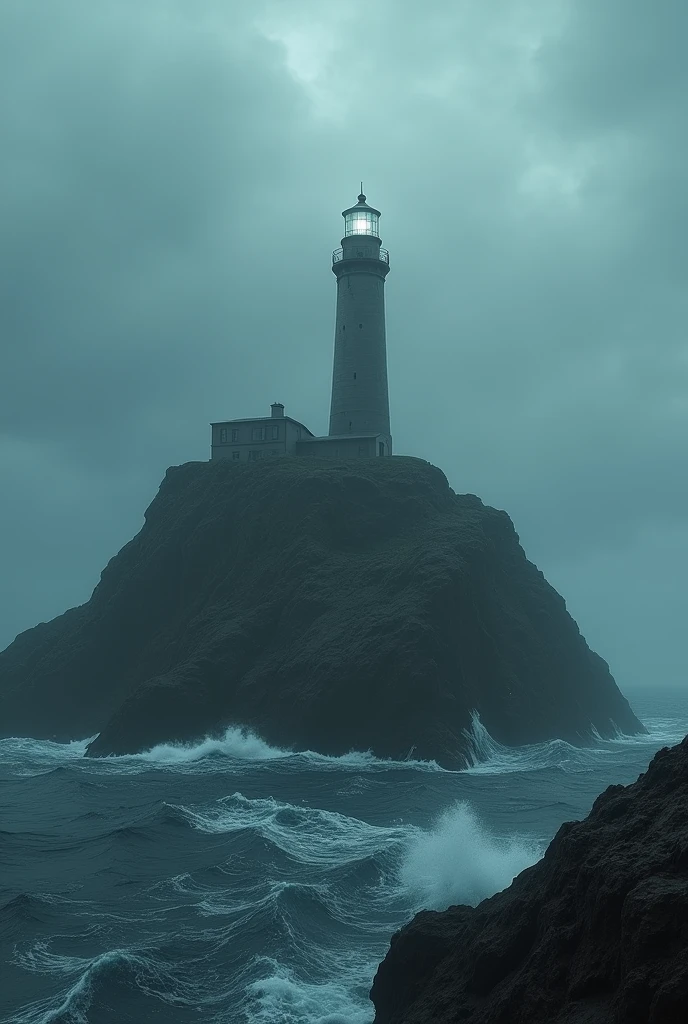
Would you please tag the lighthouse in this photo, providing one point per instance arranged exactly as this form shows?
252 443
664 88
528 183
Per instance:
360 395
359 404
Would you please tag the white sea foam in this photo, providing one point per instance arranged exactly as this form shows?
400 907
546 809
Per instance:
283 998
457 860
235 742
666 731
29 757
77 998
153 977
309 835
485 755
236 746
239 745
481 747
242 744
460 861
488 757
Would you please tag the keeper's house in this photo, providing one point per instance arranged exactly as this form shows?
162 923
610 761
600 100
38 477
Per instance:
256 438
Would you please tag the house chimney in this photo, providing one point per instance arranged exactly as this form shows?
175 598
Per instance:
277 409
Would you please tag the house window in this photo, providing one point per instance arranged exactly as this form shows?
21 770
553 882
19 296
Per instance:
236 455
235 433
258 434
223 435
275 432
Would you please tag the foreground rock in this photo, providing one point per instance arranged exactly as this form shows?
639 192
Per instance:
328 606
595 933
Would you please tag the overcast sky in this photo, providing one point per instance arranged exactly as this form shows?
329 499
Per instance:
172 174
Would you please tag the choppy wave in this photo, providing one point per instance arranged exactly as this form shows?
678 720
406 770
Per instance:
457 859
281 997
74 1003
488 757
235 743
660 730
24 756
212 754
244 744
308 834
94 982
485 755
229 880
335 870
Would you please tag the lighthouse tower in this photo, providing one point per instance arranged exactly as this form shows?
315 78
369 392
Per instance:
360 395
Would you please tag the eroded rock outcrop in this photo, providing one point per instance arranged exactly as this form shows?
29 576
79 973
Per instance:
328 605
595 933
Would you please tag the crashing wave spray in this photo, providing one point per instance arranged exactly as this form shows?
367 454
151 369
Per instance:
460 861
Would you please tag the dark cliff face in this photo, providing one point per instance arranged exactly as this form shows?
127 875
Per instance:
595 933
328 605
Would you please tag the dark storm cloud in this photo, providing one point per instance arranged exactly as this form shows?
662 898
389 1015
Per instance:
170 189
130 141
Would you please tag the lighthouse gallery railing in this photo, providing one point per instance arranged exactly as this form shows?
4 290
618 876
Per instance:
360 254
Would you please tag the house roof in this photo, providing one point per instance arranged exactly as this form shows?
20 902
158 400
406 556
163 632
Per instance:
260 419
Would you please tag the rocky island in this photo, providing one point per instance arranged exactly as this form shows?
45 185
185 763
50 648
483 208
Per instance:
594 933
325 604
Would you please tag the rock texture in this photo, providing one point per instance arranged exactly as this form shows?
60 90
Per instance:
595 933
328 605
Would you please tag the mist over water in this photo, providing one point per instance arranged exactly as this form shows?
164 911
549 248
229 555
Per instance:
256 885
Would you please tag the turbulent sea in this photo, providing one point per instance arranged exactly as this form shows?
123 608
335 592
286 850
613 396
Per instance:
232 883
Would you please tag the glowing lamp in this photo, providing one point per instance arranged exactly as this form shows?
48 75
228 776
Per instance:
362 219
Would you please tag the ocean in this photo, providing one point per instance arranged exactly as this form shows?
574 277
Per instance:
233 883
